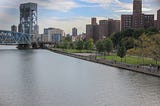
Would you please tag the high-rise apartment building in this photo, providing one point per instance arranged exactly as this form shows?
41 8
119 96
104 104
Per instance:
107 27
148 20
137 19
28 18
94 21
74 31
126 21
14 28
158 19
102 30
137 14
92 30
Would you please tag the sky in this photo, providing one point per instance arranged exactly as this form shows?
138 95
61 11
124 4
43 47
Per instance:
66 14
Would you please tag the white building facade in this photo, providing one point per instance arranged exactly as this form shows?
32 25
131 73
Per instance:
54 34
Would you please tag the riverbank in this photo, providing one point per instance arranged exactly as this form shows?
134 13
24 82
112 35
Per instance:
136 68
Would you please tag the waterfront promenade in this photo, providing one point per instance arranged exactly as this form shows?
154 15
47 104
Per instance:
150 70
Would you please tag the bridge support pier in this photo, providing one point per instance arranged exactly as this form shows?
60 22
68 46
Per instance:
35 45
38 45
42 46
24 46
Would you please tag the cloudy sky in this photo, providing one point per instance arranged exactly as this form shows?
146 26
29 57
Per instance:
66 14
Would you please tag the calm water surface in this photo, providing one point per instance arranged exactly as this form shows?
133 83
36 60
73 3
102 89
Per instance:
43 78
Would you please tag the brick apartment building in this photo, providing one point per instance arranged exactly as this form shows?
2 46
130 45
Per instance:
102 30
137 19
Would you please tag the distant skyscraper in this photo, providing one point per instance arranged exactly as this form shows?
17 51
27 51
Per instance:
158 19
102 30
14 28
137 14
92 30
28 18
74 31
137 19
107 27
126 21
94 21
148 20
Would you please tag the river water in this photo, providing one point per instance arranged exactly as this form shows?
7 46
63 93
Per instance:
44 78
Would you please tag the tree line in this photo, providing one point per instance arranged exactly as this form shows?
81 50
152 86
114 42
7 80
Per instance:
131 41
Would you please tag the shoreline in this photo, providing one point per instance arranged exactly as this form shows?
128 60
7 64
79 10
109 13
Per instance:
129 67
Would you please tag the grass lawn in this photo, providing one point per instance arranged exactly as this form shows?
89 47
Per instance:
130 59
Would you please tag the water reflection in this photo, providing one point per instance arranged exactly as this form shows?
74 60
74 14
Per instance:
28 85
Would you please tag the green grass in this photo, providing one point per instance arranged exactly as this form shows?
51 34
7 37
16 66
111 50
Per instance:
130 59
76 51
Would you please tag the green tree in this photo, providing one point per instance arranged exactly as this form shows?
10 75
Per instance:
89 44
80 45
108 45
151 31
121 52
100 46
116 38
128 42
68 39
138 32
127 33
156 47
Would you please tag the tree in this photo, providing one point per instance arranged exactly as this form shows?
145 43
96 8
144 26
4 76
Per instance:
156 47
151 31
89 45
108 45
100 46
127 33
116 38
128 42
121 52
80 45
138 32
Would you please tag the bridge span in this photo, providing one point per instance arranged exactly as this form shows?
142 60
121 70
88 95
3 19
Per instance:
23 40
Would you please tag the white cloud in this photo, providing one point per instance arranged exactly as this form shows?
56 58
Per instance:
123 7
6 20
116 6
65 23
58 5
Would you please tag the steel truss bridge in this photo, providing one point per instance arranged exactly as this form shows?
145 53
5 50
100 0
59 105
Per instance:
14 38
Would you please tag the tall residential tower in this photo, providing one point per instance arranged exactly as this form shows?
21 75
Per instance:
137 14
28 18
158 19
137 19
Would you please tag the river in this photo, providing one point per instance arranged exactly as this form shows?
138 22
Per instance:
44 78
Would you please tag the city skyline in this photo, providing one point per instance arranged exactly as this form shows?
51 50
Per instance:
71 13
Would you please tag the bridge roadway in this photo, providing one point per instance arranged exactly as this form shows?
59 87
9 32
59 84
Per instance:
23 40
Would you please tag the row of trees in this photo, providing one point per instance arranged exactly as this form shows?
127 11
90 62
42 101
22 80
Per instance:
106 45
147 46
134 41
79 45
127 37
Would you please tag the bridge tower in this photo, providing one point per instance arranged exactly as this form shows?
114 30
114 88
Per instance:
28 20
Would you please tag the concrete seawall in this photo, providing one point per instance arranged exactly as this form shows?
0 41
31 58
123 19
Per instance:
136 68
